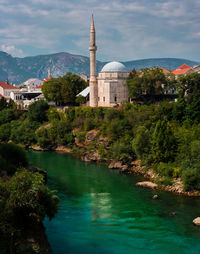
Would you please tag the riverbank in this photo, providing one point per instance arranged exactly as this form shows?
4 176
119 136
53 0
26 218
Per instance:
133 167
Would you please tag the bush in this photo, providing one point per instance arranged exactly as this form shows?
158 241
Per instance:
53 115
4 132
11 157
43 139
122 151
164 144
141 144
25 199
168 169
191 179
38 111
80 136
6 116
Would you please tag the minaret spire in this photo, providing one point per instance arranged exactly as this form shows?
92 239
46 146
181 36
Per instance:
93 78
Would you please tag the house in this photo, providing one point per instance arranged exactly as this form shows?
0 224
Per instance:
6 89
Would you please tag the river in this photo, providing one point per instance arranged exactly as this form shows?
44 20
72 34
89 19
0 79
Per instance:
103 212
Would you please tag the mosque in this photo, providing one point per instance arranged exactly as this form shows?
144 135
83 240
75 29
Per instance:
107 89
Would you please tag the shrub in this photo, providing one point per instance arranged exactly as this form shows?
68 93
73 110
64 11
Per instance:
141 144
38 111
80 136
4 132
168 169
191 179
164 144
11 157
25 199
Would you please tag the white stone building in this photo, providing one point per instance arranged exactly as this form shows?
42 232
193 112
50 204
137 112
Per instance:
6 89
108 89
112 90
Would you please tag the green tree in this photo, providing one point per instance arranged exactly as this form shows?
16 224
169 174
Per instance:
52 90
146 84
7 115
3 103
189 89
11 158
25 201
63 90
38 111
4 132
164 144
141 144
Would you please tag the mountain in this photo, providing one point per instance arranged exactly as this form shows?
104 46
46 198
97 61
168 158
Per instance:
18 70
168 63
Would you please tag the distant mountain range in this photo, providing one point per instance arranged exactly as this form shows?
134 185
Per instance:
18 70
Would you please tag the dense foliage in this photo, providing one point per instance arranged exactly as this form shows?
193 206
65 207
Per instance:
24 200
149 85
63 90
162 135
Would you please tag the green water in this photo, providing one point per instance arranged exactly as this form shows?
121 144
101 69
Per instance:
102 211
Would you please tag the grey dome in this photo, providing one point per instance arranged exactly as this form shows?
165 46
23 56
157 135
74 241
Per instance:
114 67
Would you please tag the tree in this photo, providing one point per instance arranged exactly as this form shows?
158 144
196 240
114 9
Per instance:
25 201
63 90
7 115
3 103
38 111
141 143
52 90
146 84
189 90
164 144
11 158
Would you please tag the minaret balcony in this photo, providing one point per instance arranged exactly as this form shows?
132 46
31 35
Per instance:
92 48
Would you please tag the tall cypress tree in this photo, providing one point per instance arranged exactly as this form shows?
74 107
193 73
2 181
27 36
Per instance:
164 144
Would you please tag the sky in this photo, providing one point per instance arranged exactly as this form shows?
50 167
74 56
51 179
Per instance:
125 30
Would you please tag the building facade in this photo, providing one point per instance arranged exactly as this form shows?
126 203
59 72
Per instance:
6 89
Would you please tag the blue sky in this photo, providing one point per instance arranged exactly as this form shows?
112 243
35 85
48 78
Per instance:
126 30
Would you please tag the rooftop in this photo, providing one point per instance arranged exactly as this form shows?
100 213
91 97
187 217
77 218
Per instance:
114 67
7 86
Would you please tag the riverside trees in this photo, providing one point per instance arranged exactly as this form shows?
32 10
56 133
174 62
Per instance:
24 201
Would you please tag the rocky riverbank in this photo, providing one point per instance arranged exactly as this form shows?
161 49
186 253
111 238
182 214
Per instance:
93 140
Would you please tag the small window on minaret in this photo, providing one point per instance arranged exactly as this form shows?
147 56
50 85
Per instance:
115 98
103 98
98 98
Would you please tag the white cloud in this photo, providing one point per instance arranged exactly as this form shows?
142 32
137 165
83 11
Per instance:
125 29
12 50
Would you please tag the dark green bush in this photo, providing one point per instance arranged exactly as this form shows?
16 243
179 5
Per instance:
38 111
11 157
191 179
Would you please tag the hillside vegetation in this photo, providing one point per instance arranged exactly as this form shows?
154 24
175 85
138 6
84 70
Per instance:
165 136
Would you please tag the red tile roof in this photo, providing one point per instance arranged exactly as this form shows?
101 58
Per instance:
184 66
181 71
6 86
46 79
40 86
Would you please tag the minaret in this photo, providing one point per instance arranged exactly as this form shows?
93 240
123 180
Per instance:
49 73
93 78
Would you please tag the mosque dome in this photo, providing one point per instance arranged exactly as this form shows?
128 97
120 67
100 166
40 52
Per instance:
114 67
